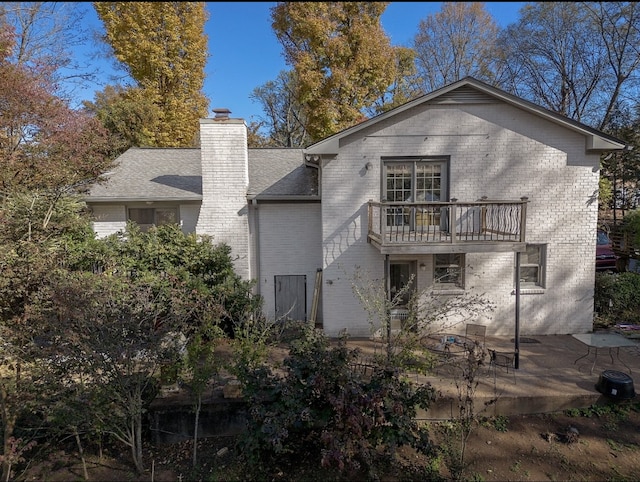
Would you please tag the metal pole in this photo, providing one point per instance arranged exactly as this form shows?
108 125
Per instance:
387 286
517 337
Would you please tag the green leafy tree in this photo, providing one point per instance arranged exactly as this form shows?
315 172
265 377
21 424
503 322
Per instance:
115 332
163 48
205 267
31 256
128 114
342 60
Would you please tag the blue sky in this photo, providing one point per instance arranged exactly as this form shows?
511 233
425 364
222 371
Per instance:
244 52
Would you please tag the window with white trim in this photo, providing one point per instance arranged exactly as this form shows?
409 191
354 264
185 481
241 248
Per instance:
532 266
448 272
413 180
147 217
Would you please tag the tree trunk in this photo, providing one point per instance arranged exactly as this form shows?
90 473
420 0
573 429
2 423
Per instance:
198 407
9 423
81 452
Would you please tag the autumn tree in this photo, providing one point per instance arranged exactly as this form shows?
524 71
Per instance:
163 48
342 59
457 42
256 136
44 144
46 34
49 153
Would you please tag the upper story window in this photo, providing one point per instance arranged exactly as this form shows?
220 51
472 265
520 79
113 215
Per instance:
414 180
157 216
532 266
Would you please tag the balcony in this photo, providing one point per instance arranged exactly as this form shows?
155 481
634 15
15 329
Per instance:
447 227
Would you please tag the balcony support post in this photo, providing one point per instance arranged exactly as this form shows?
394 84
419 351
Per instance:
517 335
387 288
452 220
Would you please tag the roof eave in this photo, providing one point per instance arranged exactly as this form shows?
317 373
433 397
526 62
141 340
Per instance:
121 200
600 144
283 198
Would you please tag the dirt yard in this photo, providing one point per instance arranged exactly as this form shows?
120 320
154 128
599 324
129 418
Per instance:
589 446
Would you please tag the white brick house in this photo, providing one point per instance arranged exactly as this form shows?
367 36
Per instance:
447 188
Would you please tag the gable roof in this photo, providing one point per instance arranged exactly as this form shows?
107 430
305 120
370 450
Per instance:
467 91
175 174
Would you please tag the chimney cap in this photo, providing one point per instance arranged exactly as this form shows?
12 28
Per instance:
221 113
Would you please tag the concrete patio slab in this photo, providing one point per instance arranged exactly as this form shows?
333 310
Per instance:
553 375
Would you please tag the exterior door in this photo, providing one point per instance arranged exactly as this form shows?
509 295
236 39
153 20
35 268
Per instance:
402 277
291 297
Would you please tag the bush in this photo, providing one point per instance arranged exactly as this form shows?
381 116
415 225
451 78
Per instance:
617 296
322 409
631 225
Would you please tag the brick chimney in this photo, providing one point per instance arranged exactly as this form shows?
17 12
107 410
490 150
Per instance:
225 179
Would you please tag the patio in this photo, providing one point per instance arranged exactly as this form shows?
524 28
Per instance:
553 375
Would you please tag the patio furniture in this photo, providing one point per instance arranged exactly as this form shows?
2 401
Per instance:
608 341
476 333
448 344
449 349
502 359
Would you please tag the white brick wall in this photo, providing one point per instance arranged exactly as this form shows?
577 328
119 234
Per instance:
290 244
108 219
496 151
189 214
224 212
111 218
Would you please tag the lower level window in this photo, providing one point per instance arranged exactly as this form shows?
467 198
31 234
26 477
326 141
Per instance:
448 271
532 266
147 217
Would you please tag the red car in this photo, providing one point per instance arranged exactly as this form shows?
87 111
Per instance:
606 259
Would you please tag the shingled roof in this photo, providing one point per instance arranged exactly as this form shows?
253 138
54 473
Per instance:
279 174
175 174
152 174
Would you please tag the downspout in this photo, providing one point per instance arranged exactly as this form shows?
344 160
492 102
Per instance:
256 245
523 226
387 286
517 336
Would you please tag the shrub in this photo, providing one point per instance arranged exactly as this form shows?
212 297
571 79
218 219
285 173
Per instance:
321 407
617 296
